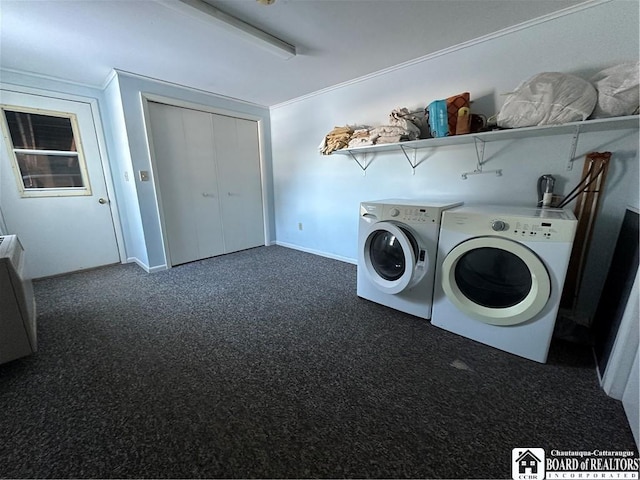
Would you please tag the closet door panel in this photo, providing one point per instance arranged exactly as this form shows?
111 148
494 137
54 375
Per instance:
173 174
200 152
238 160
249 152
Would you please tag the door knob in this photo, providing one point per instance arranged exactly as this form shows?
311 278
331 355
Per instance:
102 201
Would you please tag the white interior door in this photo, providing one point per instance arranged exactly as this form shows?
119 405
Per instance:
61 231
238 159
183 146
208 174
200 156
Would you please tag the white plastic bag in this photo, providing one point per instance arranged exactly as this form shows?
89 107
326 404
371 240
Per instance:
618 90
549 98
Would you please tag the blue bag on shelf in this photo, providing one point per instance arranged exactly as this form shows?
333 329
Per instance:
438 118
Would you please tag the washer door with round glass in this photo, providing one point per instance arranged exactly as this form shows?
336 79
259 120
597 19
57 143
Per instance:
496 281
393 258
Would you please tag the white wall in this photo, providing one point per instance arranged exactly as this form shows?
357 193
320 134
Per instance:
323 192
121 167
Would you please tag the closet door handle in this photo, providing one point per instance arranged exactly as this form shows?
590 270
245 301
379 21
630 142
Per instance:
211 195
233 194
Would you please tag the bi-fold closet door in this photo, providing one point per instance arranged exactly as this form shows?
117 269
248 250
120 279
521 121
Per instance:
208 173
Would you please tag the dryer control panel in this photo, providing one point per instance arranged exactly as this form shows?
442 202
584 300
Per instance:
536 229
510 226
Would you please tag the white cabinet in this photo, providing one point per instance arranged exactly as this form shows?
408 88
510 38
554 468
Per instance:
17 303
208 175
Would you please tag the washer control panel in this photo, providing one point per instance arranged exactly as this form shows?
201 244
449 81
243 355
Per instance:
410 214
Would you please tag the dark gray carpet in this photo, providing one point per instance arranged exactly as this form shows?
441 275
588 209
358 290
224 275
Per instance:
265 363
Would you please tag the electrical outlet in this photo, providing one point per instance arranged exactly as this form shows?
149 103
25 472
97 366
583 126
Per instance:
300 226
126 176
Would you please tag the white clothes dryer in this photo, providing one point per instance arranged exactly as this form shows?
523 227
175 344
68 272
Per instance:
397 246
500 275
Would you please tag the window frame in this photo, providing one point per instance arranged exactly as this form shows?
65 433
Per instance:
24 192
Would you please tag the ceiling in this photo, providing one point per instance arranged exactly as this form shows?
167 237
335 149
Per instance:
336 40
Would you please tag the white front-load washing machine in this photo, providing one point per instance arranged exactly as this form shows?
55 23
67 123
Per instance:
500 275
397 246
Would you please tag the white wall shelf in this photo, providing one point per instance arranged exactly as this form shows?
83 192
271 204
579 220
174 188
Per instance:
479 140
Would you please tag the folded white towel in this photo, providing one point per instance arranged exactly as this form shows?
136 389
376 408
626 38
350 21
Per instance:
389 130
389 139
360 142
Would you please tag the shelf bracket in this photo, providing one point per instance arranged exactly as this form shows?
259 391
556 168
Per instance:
362 165
479 145
412 163
572 148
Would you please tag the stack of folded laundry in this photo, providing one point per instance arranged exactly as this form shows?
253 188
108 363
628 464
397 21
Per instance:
402 117
389 134
400 128
336 139
361 137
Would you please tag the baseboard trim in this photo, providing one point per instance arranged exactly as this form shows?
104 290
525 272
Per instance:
317 252
146 267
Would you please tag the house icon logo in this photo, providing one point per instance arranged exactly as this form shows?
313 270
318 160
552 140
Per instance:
527 464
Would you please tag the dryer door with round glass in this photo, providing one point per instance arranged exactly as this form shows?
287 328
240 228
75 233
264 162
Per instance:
393 258
496 281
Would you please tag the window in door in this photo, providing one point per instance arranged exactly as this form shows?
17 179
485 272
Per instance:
46 153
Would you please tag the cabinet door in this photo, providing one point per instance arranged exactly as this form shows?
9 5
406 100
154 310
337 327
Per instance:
238 161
